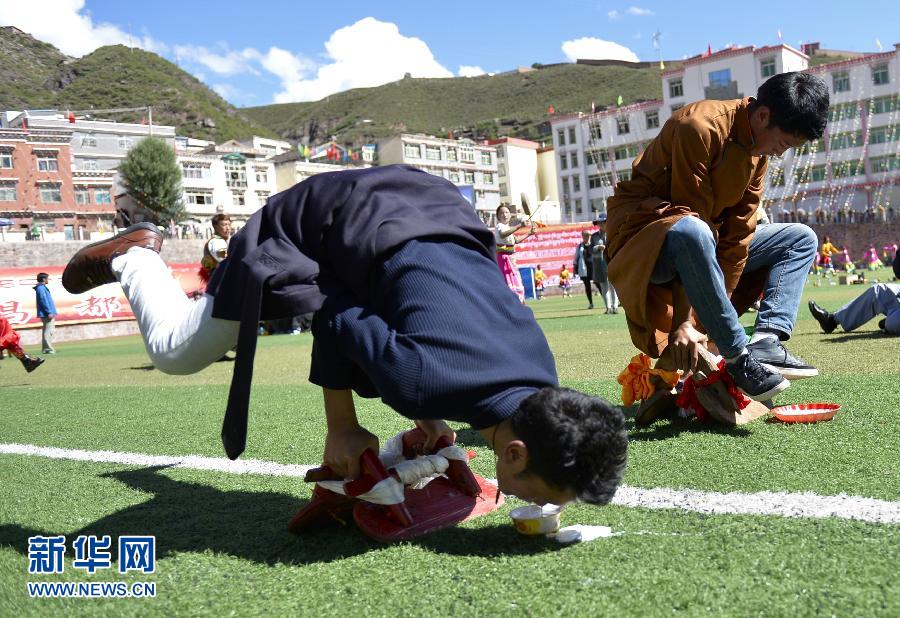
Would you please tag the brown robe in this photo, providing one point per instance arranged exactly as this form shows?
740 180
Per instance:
699 165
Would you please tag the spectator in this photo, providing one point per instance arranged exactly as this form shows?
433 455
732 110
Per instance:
216 248
601 278
539 278
46 310
583 267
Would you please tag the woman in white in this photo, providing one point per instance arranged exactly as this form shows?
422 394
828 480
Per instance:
505 237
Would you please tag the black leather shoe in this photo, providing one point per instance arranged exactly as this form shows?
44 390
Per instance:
825 319
31 362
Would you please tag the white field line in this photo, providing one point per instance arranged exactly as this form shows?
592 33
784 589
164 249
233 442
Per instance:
782 504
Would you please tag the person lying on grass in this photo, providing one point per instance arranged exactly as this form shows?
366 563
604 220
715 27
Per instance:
683 243
410 307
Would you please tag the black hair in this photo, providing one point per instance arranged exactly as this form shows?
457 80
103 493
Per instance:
575 442
503 205
42 277
797 102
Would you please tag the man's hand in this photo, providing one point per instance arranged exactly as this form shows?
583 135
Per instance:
343 448
685 341
434 431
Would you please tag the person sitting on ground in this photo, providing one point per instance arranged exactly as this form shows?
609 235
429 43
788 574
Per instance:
402 276
681 235
880 299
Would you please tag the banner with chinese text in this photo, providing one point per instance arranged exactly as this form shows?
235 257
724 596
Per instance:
103 304
551 247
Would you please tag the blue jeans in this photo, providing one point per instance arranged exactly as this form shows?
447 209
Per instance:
689 253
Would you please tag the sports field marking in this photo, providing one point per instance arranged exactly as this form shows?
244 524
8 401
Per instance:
781 504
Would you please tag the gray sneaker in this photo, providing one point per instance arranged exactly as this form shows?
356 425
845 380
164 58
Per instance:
772 354
756 381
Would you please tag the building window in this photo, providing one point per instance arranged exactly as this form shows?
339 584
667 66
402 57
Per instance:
485 158
89 139
6 158
622 125
843 111
469 178
676 88
451 154
776 177
767 67
576 184
262 196
628 151
846 169
596 181
433 153
47 162
126 142
467 154
501 169
561 137
235 173
572 139
840 81
883 105
82 195
8 191
504 188
595 157
623 175
411 151
885 164
563 161
811 147
181 143
262 175
652 120
237 200
810 174
677 107
573 159
720 79
880 74
579 209
194 170
50 193
102 196
596 132
488 178
89 164
199 198
846 140
454 177
881 135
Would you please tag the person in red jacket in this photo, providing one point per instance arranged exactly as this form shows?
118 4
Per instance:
9 340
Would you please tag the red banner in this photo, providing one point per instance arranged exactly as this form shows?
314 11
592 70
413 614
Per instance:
104 304
551 247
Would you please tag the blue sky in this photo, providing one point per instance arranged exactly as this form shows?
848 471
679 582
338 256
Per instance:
255 53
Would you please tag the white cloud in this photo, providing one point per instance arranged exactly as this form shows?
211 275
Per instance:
69 27
613 15
227 62
597 49
470 71
367 53
639 12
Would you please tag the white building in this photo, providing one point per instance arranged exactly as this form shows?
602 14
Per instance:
519 173
271 147
229 178
855 165
463 162
291 168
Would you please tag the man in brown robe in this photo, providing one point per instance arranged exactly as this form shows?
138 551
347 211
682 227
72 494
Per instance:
683 243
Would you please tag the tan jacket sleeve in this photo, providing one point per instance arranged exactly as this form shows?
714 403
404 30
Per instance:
692 143
737 229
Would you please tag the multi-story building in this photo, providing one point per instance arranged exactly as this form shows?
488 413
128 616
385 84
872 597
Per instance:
97 147
854 166
230 178
462 162
271 147
291 168
520 173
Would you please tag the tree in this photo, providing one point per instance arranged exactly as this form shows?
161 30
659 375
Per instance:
152 177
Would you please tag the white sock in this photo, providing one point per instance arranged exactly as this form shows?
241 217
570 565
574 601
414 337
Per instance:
759 335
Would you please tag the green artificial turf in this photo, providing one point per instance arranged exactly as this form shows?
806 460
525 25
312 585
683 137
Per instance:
223 548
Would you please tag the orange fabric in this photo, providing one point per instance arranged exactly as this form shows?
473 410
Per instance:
700 166
635 379
9 339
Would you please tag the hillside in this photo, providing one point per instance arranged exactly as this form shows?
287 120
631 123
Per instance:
37 75
513 103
